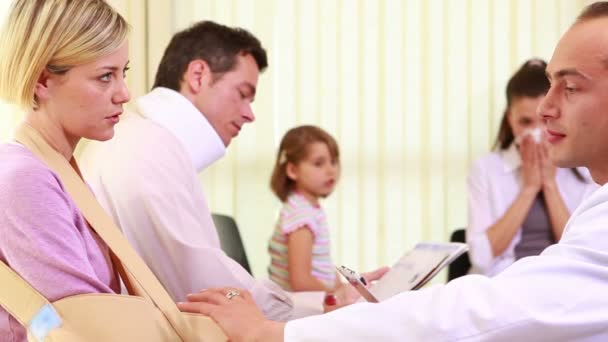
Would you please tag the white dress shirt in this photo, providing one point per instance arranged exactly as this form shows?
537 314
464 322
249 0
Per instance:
493 185
146 178
557 296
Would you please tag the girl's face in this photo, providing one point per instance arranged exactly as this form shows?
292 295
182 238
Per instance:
522 114
316 175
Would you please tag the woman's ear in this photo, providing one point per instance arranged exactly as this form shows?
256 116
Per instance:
41 90
197 75
292 171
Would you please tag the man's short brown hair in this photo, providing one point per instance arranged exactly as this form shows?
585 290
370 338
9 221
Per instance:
216 44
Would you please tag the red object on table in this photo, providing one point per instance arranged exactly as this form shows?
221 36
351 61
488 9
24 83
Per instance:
330 299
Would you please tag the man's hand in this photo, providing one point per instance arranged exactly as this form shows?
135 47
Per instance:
347 294
236 313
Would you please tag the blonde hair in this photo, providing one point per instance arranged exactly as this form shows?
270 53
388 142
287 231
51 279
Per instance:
294 149
53 35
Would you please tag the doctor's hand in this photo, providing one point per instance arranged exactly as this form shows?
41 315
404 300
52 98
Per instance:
347 294
236 313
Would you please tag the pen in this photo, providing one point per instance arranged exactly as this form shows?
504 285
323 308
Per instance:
354 275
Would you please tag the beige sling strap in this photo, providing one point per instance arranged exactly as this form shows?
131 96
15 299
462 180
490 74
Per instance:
21 300
134 271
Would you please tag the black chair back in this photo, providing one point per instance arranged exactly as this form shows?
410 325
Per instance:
462 264
230 239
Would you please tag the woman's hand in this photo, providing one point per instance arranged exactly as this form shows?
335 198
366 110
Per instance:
531 167
347 294
236 313
548 170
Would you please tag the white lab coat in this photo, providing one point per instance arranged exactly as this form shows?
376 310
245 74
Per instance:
146 178
560 295
493 185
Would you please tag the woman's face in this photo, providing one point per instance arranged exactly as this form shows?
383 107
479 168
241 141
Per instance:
522 114
86 101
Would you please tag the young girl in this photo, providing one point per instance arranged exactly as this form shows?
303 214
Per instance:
306 170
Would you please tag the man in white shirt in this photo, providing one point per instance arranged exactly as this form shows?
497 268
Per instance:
559 295
146 176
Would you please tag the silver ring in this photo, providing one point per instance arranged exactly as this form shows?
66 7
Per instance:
232 293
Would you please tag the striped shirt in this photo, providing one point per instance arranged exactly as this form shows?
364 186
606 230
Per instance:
298 212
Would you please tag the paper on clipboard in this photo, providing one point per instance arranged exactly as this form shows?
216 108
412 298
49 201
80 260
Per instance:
416 268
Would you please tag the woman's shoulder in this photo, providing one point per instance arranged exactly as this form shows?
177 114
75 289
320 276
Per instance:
488 162
490 157
22 174
576 180
580 174
17 159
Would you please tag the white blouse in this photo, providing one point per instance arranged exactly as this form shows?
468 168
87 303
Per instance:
493 185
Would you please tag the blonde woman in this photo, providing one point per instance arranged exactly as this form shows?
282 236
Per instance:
64 63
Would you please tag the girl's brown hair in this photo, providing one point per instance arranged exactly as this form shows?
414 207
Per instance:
293 149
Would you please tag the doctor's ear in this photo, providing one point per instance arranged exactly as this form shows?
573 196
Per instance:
197 75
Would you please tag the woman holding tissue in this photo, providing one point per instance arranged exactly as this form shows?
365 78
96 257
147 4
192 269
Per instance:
518 202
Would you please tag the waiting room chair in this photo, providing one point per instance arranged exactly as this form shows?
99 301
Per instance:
462 264
230 239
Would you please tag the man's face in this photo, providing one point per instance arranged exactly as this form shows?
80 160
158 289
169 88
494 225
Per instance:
226 100
575 109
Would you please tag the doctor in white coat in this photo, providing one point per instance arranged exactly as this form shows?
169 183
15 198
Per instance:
146 177
560 295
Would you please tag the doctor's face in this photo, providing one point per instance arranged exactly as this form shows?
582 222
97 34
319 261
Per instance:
575 109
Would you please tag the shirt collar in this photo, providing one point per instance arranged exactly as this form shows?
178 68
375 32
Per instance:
511 158
299 198
177 114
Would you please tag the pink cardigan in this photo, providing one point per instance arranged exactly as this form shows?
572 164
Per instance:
43 236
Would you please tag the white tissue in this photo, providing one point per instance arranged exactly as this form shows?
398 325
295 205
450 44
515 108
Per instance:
535 133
